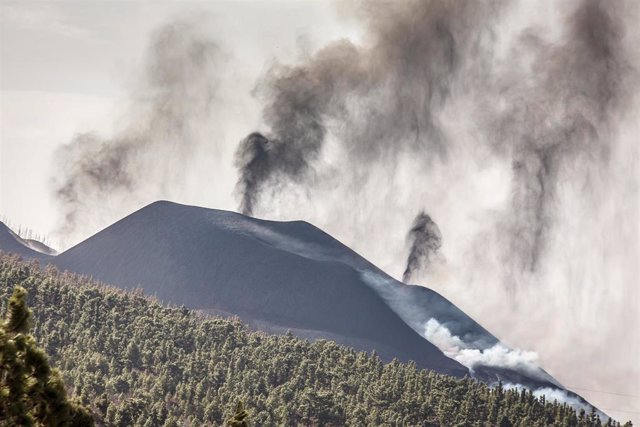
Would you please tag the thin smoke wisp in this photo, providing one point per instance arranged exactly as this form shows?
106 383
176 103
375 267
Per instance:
165 117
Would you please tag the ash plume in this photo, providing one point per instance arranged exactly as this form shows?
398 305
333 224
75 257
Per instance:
175 96
561 106
383 96
253 155
299 99
515 124
426 239
544 107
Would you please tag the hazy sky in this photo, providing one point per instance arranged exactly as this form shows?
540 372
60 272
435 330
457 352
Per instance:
69 68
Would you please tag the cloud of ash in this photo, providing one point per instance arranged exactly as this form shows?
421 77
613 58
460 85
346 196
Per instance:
382 97
514 124
550 114
163 129
425 239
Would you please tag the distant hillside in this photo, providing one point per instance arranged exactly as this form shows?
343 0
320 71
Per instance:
135 362
28 248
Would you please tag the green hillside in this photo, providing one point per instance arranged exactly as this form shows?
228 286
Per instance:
133 361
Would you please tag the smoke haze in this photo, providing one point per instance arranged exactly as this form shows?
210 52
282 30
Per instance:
516 125
163 128
555 108
381 99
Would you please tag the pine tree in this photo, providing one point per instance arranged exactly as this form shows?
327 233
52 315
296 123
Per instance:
239 419
31 392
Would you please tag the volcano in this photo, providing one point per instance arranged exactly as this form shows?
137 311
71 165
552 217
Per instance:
279 277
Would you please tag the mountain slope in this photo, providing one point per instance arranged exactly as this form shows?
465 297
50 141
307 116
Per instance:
27 248
280 276
134 362
225 262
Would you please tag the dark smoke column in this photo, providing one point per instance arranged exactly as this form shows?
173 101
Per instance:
378 98
252 158
298 99
426 239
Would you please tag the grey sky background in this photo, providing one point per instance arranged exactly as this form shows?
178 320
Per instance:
74 67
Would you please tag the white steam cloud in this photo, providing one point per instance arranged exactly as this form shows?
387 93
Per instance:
561 396
500 356
497 356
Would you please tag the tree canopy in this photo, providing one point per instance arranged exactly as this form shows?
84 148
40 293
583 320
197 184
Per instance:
31 392
135 362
